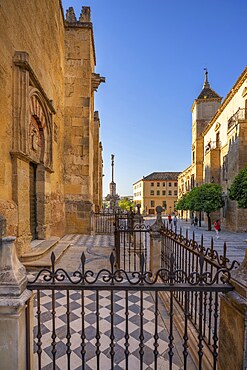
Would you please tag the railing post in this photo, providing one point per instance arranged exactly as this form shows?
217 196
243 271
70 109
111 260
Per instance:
136 237
155 241
233 323
117 243
14 351
138 218
93 226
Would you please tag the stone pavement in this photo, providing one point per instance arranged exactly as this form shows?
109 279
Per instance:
97 250
236 242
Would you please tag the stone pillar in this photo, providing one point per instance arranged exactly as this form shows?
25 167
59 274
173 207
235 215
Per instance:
138 218
13 299
233 323
155 242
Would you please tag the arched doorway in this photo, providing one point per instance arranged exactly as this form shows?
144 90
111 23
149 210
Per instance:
40 158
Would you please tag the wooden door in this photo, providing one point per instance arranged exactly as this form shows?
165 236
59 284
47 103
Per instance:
33 200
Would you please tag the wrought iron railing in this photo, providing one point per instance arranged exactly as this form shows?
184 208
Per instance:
241 114
131 240
172 280
202 309
104 220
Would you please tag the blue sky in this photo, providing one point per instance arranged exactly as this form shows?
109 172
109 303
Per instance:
152 53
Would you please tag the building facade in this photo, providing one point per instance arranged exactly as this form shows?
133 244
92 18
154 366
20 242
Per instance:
157 189
219 146
51 156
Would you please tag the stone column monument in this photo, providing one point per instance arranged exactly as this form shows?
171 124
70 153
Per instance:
113 197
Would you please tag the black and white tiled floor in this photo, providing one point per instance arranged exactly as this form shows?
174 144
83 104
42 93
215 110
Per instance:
97 253
105 331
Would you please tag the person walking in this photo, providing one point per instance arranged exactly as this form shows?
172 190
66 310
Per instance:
196 221
169 219
217 228
175 221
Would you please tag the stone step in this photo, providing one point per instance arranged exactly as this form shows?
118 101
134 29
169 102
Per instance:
39 251
45 261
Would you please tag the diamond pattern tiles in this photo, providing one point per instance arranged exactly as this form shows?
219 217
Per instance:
105 332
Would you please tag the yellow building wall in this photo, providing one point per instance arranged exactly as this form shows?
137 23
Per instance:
145 198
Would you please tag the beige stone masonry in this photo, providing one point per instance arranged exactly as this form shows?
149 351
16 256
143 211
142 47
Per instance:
13 299
233 323
82 143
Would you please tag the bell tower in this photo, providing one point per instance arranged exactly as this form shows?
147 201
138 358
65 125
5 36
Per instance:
203 109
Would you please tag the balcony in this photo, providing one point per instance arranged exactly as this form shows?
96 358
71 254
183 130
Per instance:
240 115
212 145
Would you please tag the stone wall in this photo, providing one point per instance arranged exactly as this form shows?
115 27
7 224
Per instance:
47 86
97 164
27 27
80 141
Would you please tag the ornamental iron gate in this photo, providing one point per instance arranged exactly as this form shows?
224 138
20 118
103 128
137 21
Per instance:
131 241
106 219
78 337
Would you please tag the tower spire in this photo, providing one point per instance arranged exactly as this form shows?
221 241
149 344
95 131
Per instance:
206 83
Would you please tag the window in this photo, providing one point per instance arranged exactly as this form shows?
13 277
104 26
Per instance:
175 184
164 204
170 192
175 192
192 181
193 157
152 203
158 192
152 184
170 184
158 184
163 192
152 192
164 184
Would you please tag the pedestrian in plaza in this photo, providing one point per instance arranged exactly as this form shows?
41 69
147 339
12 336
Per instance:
196 221
169 219
217 227
192 220
175 221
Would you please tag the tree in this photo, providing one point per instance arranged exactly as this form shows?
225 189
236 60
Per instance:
206 198
183 203
238 189
125 204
